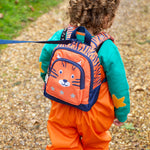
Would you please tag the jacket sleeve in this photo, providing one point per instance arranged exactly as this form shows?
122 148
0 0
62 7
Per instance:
46 53
116 77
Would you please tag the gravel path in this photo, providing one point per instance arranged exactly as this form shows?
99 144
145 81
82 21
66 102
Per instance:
24 110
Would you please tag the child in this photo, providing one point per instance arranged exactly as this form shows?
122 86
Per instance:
72 128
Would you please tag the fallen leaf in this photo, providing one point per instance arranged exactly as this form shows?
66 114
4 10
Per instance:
146 41
16 1
31 7
1 16
31 19
139 88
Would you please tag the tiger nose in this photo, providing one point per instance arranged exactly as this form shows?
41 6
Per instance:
65 80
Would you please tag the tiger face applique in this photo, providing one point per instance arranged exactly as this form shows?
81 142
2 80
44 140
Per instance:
65 80
63 77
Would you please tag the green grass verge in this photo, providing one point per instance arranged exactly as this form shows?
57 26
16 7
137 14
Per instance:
17 14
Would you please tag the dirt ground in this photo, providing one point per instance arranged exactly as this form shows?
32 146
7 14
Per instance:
24 110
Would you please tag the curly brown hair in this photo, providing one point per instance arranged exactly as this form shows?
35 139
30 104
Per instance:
92 13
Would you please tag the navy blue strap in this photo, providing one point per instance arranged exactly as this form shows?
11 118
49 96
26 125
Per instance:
44 42
88 38
82 29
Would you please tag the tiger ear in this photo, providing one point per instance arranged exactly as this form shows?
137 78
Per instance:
79 62
58 56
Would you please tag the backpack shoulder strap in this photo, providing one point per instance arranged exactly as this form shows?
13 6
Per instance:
98 40
70 29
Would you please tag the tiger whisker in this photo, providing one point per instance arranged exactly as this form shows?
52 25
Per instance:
53 76
75 81
76 85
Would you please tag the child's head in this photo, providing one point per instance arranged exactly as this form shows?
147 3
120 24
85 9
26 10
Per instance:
93 14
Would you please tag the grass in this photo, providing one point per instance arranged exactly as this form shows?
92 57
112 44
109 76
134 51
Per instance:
17 14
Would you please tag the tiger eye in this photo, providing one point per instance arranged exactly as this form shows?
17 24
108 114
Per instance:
60 71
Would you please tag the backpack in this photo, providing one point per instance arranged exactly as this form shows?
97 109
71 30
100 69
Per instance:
75 74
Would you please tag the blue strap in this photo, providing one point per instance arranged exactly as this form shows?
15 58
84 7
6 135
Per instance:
88 36
2 41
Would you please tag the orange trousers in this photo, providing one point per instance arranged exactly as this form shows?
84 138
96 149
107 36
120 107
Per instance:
71 128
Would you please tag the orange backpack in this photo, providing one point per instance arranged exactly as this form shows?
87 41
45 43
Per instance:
75 74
